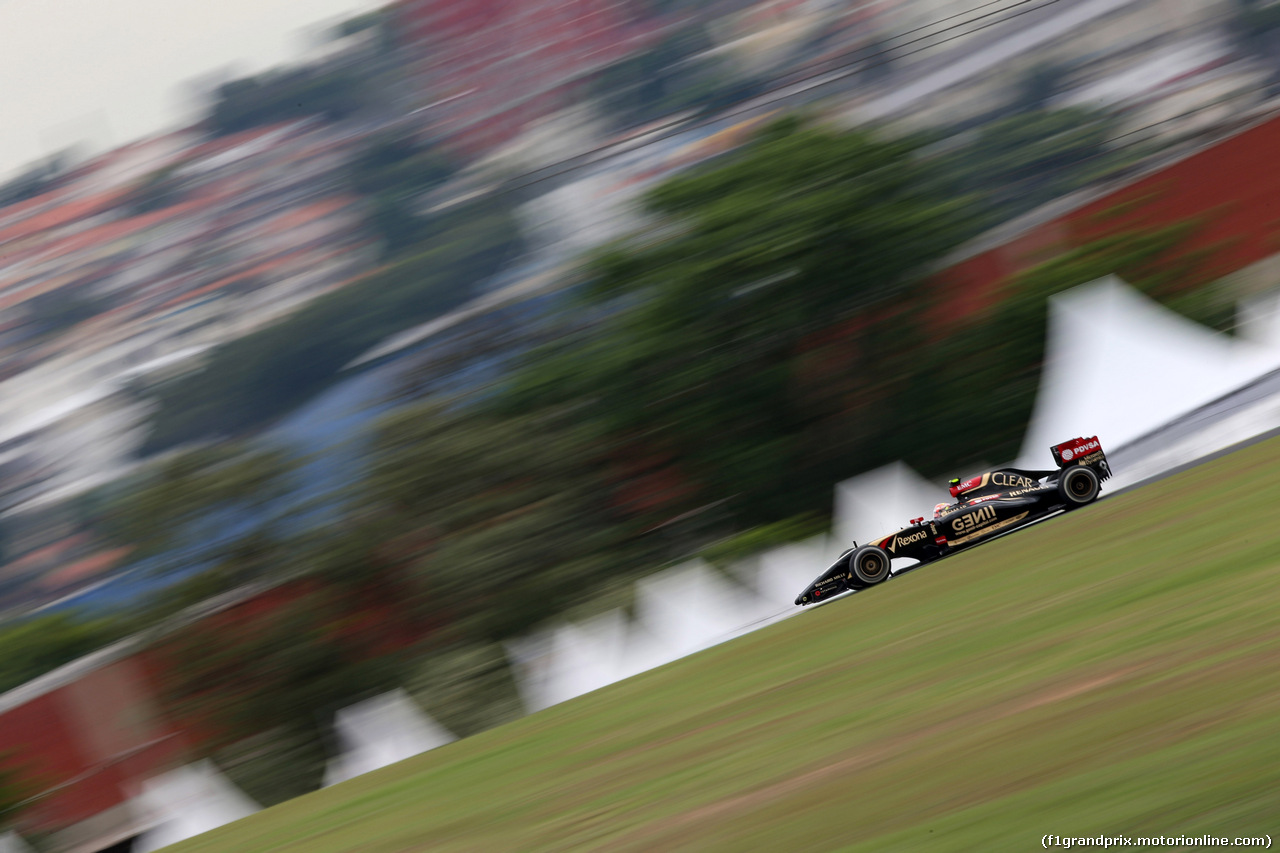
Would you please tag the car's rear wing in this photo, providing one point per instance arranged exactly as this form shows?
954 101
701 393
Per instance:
1082 451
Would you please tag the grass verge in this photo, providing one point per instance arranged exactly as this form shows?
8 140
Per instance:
1113 671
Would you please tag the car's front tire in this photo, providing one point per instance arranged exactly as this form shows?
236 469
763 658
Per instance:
869 565
1079 486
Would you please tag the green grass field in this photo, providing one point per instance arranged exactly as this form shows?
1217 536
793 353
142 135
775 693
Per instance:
1114 671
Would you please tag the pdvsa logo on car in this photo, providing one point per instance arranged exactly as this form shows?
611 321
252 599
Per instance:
1069 453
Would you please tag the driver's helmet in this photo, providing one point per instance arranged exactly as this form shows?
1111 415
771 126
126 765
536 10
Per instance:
938 509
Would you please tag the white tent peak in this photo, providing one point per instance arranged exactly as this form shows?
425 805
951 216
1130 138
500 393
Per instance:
679 611
187 802
881 501
382 731
10 842
1118 365
1258 320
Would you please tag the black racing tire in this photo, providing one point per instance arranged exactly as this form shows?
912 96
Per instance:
869 565
1079 486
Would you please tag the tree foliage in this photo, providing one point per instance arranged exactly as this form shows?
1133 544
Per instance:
771 335
467 688
227 498
17 786
1256 26
34 180
34 646
290 671
1018 163
158 190
672 76
287 96
394 172
503 520
397 164
56 311
704 357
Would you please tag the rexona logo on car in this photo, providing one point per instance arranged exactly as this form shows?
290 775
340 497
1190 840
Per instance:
894 542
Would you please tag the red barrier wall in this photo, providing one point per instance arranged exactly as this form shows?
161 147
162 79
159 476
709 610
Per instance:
1231 188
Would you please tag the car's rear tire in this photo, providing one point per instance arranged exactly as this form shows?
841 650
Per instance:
1079 486
869 565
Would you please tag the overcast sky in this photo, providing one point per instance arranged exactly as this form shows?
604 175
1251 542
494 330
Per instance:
110 71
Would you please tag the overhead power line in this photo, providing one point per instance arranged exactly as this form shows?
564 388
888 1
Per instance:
862 61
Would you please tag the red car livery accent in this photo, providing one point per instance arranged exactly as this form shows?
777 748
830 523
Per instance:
1074 449
968 485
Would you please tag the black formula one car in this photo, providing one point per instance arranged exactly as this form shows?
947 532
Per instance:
986 506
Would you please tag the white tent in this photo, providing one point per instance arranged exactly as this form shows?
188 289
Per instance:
10 842
678 612
692 607
787 569
188 801
532 665
580 658
881 501
1118 365
382 731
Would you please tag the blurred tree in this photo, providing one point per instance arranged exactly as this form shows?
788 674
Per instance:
361 23
218 487
397 163
380 22
275 765
803 231
223 510
17 786
1256 26
395 171
31 647
287 95
158 190
1038 87
1018 163
674 75
35 179
276 679
55 311
467 688
505 521
264 679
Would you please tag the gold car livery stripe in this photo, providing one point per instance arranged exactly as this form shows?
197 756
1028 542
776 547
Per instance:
989 529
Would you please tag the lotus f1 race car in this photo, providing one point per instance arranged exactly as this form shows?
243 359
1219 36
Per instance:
986 506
